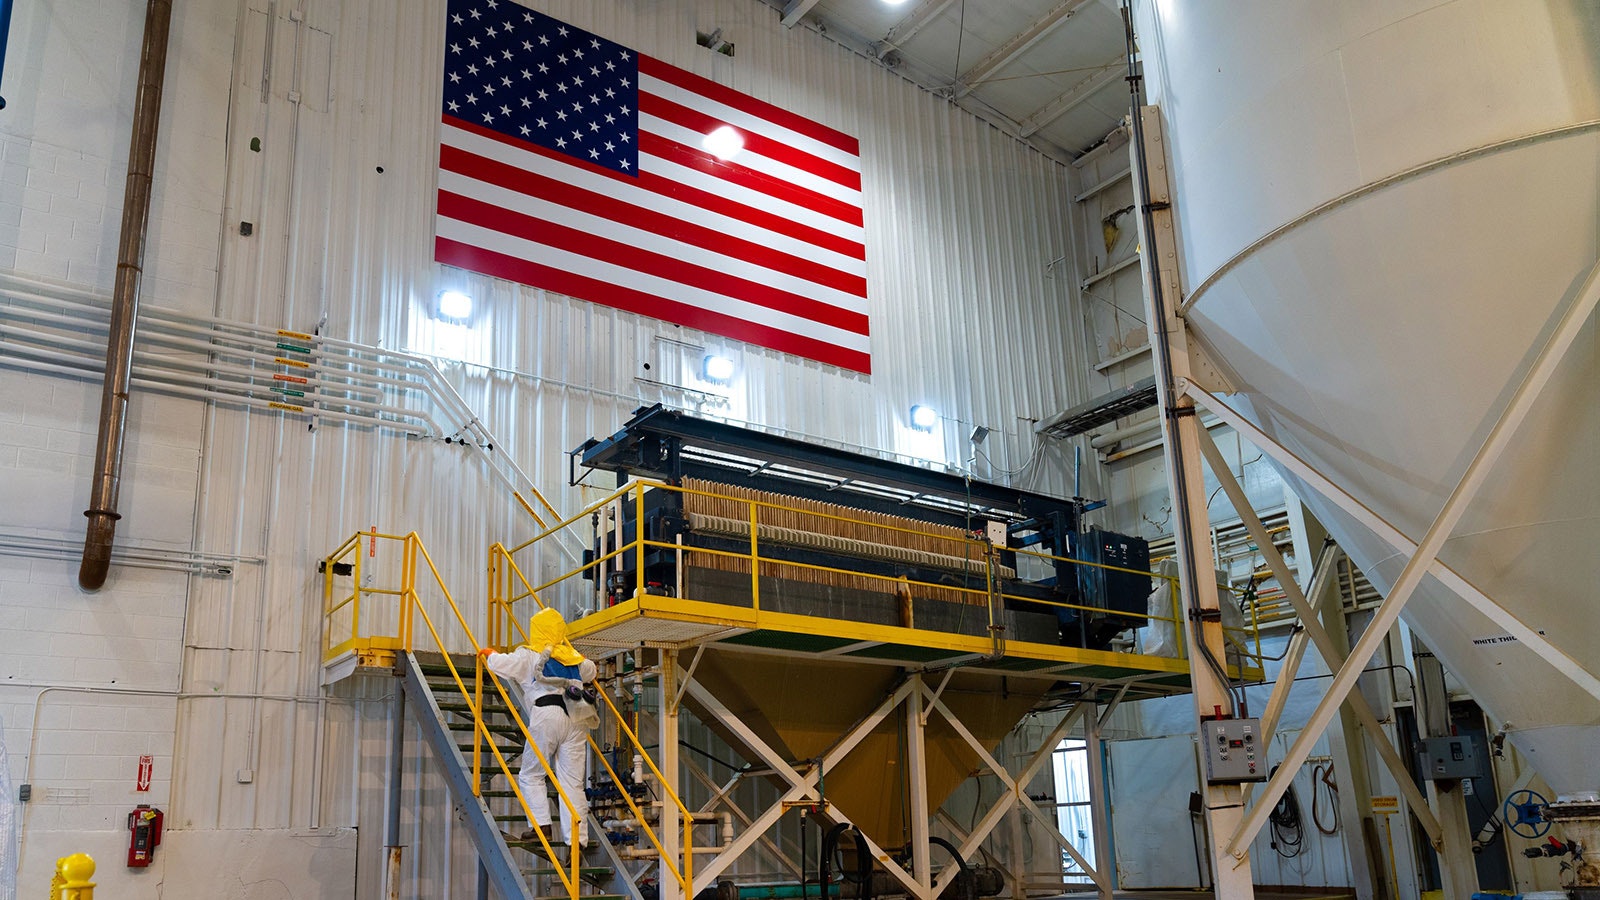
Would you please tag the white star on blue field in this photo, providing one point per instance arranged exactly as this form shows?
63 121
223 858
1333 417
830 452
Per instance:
531 77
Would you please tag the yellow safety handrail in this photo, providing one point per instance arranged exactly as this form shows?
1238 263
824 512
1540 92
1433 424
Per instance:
504 573
410 603
686 874
976 550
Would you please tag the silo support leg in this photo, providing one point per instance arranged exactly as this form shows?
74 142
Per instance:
1324 642
917 781
1099 805
1426 555
1458 868
1381 527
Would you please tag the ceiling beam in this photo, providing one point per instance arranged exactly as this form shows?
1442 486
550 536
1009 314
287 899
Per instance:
1016 45
1111 71
907 28
795 10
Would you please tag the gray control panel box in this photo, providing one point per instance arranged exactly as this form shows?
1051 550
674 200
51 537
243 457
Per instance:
1444 758
1233 751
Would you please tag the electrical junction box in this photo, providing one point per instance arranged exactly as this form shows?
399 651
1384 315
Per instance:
1447 758
1233 751
996 532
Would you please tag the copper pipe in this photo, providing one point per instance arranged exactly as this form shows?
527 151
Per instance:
103 491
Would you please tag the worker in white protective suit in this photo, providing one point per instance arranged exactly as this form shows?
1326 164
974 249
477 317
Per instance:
554 677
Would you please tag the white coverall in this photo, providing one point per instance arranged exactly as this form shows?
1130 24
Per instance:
561 742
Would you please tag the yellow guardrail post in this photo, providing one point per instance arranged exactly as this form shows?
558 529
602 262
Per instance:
355 603
755 558
327 607
72 878
480 724
638 538
477 735
685 880
410 600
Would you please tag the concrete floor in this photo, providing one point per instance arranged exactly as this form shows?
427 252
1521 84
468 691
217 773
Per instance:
1207 895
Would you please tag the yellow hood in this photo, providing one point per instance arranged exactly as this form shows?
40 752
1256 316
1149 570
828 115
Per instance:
548 628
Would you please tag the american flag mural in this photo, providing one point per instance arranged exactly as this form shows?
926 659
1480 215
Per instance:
571 163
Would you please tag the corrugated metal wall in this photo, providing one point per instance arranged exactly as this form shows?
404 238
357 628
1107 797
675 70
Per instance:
962 223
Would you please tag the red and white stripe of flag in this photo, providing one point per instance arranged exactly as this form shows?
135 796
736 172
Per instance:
767 248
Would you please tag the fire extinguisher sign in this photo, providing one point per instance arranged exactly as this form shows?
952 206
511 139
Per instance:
147 768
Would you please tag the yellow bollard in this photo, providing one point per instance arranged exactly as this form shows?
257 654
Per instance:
71 881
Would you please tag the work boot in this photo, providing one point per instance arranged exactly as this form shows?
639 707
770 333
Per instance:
532 836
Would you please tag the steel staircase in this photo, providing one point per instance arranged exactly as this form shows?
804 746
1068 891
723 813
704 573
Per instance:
518 870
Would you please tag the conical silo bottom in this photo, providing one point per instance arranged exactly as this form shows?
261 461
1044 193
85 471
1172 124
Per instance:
802 706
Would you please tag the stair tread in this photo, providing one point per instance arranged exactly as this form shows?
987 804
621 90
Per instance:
505 750
510 731
463 706
583 871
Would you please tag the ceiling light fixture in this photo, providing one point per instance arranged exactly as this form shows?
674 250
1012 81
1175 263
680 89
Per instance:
724 142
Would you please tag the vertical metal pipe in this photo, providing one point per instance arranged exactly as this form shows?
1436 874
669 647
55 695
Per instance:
397 758
102 511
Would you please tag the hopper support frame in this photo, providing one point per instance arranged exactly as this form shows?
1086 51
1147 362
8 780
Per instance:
915 702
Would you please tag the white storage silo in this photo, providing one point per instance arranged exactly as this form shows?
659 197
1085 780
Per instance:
1384 207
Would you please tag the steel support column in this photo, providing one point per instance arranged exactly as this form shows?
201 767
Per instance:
917 784
1458 869
1099 807
1354 799
391 827
670 833
1350 761
1181 431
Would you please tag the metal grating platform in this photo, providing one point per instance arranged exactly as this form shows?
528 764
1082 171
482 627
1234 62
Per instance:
1102 410
678 623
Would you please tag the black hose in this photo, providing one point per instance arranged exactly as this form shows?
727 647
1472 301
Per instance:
1288 830
966 885
863 873
941 842
1324 775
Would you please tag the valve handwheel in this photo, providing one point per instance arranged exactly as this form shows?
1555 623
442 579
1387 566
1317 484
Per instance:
1524 813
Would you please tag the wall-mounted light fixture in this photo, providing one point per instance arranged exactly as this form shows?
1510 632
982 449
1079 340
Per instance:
923 418
716 368
453 306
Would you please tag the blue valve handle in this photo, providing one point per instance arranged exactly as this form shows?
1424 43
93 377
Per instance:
1524 813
